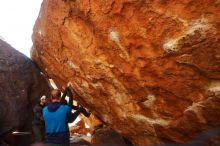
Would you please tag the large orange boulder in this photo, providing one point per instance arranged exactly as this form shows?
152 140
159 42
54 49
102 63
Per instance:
148 69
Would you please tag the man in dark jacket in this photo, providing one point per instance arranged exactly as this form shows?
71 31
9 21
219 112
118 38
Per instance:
38 123
56 116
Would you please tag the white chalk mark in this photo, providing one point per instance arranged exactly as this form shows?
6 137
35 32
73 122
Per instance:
201 25
113 34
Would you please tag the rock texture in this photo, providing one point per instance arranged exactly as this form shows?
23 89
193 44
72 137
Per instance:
150 69
93 122
79 141
106 137
79 128
21 85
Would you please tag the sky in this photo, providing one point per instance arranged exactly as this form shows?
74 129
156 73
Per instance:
17 18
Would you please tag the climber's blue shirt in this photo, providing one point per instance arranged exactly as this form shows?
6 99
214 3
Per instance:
55 116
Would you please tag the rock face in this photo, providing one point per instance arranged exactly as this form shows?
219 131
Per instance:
106 136
79 141
148 69
21 85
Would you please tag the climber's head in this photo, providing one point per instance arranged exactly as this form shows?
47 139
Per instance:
43 100
55 94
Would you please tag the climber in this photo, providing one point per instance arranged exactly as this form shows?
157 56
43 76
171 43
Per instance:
56 116
38 123
63 100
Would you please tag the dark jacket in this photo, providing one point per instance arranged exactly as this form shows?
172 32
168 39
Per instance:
38 118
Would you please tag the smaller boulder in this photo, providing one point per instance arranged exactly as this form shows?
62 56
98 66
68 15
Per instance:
105 136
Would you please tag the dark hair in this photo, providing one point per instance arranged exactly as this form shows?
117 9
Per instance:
55 94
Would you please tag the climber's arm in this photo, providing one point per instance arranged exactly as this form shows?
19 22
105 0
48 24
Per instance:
72 116
70 98
63 100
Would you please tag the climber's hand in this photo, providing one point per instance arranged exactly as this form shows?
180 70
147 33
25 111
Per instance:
69 84
84 112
